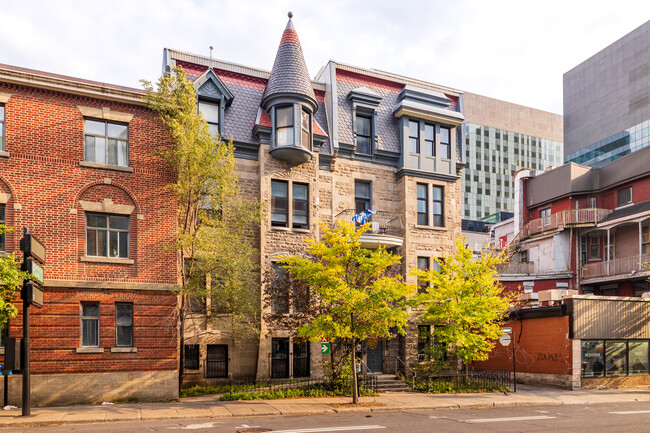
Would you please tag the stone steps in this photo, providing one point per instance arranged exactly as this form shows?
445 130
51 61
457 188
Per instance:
389 383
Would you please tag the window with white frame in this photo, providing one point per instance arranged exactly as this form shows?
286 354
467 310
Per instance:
645 239
429 140
284 126
106 142
210 112
124 324
592 202
624 196
414 136
107 235
445 143
90 324
306 129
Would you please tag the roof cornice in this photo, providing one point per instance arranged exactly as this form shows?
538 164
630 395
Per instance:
70 85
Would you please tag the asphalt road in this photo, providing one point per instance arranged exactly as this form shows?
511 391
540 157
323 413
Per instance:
624 417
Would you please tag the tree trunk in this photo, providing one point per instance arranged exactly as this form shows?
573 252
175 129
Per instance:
355 387
181 331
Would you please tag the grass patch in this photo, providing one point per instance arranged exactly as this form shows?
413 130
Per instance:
452 387
316 390
197 390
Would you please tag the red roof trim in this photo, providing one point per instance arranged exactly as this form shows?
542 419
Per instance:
290 36
364 80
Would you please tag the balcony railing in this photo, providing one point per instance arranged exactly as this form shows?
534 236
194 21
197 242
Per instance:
382 223
565 218
516 268
616 267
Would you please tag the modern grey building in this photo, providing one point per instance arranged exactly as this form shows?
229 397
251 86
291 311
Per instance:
500 139
607 102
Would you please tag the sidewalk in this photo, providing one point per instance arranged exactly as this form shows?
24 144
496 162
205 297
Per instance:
211 407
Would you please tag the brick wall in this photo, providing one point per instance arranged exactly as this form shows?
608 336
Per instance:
544 347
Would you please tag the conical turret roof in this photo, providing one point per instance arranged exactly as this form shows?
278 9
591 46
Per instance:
289 76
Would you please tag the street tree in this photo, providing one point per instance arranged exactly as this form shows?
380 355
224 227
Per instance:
354 293
465 302
10 278
216 223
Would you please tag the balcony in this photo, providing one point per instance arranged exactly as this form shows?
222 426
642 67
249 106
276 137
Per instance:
565 218
525 268
387 228
625 267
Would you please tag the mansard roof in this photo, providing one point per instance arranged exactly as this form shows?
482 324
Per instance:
289 76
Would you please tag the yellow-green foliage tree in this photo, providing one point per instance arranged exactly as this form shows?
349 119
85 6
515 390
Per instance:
216 223
466 302
10 277
359 297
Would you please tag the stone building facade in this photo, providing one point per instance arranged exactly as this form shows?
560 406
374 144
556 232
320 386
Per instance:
314 151
77 168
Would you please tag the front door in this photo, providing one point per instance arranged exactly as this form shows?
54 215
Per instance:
279 358
374 358
217 361
301 359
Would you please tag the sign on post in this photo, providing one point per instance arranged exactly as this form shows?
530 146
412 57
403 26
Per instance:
324 345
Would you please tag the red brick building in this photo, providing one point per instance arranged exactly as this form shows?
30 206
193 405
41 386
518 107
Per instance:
78 168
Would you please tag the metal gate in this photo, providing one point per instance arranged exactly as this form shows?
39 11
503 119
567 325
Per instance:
301 359
217 361
279 358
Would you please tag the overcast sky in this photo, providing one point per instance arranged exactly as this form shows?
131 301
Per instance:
511 50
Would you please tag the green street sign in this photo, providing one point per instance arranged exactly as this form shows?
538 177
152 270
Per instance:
325 348
37 272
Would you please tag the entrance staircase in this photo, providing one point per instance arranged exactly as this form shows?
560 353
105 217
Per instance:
390 383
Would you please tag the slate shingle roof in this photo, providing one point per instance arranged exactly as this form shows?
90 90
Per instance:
289 73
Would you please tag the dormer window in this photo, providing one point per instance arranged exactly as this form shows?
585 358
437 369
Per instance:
364 133
210 112
284 126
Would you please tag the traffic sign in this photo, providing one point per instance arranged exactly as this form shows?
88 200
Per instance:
505 340
507 330
324 340
35 269
32 247
325 348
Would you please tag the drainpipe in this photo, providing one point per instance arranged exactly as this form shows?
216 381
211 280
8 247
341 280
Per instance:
640 243
608 257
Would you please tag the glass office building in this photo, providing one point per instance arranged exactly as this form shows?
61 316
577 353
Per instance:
493 156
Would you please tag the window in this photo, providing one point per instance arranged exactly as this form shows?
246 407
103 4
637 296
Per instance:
2 127
217 360
414 137
592 202
545 212
424 337
429 140
624 196
284 126
107 142
90 324
210 112
280 204
615 358
645 238
191 356
638 354
438 195
423 265
423 204
280 301
445 143
107 235
3 220
583 250
306 129
362 195
612 246
364 134
124 324
594 247
300 192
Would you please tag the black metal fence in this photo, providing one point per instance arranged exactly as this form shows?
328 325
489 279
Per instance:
470 381
366 381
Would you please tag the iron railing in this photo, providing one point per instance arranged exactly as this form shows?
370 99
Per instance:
382 223
614 267
472 380
367 381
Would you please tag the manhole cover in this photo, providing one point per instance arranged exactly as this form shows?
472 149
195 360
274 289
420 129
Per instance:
253 430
